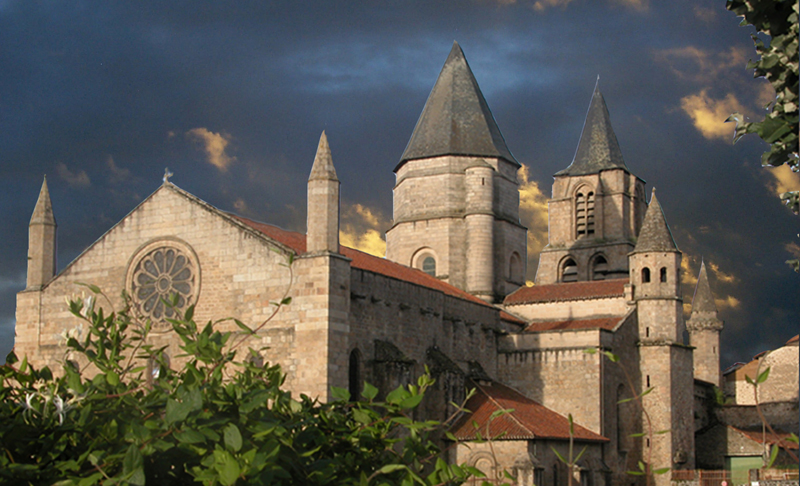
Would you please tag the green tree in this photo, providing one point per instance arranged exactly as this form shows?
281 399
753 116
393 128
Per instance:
778 63
222 418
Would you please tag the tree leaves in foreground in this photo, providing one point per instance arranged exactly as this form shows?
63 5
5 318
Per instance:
123 417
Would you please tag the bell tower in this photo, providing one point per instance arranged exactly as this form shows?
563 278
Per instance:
596 208
704 327
456 196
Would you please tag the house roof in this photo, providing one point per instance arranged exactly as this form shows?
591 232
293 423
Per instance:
363 261
778 437
655 235
598 148
526 419
606 323
456 119
567 291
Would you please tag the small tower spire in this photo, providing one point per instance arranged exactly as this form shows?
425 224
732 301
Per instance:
704 327
655 234
323 202
41 241
598 148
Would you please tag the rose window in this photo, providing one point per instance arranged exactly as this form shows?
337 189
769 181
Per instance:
159 276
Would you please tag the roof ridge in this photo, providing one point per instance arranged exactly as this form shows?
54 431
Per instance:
509 414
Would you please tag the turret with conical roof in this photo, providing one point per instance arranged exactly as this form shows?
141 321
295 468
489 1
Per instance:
323 202
704 327
596 208
456 119
42 241
456 199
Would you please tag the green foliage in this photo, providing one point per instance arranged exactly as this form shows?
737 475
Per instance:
126 418
778 63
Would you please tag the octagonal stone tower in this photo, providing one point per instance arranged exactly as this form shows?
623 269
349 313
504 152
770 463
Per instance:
456 197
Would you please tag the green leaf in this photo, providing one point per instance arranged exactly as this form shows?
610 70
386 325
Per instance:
390 468
772 456
397 395
762 377
233 438
560 457
190 436
749 380
112 378
411 401
340 394
369 392
226 466
361 417
662 470
244 327
133 465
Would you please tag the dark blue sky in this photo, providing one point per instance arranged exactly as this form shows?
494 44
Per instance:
232 98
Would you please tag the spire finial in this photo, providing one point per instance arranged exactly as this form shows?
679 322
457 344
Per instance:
167 175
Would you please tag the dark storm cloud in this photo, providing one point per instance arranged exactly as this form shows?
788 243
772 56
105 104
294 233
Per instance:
101 97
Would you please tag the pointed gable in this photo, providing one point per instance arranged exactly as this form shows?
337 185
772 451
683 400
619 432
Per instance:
456 119
43 211
655 234
598 148
703 300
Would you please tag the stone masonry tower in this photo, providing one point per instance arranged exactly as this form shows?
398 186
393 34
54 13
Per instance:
665 363
456 197
323 279
596 208
323 202
41 242
704 327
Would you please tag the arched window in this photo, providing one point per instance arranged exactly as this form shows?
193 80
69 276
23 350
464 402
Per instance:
580 215
663 274
354 375
515 268
645 275
569 271
599 268
429 265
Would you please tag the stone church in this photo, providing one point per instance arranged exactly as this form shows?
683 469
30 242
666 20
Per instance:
450 295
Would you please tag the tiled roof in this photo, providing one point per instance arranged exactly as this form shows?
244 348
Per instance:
607 323
528 420
456 119
793 341
778 436
364 261
598 148
568 291
508 317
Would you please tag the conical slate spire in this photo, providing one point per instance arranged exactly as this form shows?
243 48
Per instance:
456 119
703 300
655 234
323 162
598 148
43 212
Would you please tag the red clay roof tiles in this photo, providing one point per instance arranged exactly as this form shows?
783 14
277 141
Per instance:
364 261
568 291
527 420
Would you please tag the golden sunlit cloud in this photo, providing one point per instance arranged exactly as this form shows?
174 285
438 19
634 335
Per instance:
708 115
721 276
118 174
214 145
533 211
634 4
688 276
729 302
705 14
362 228
74 179
702 65
783 179
541 5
